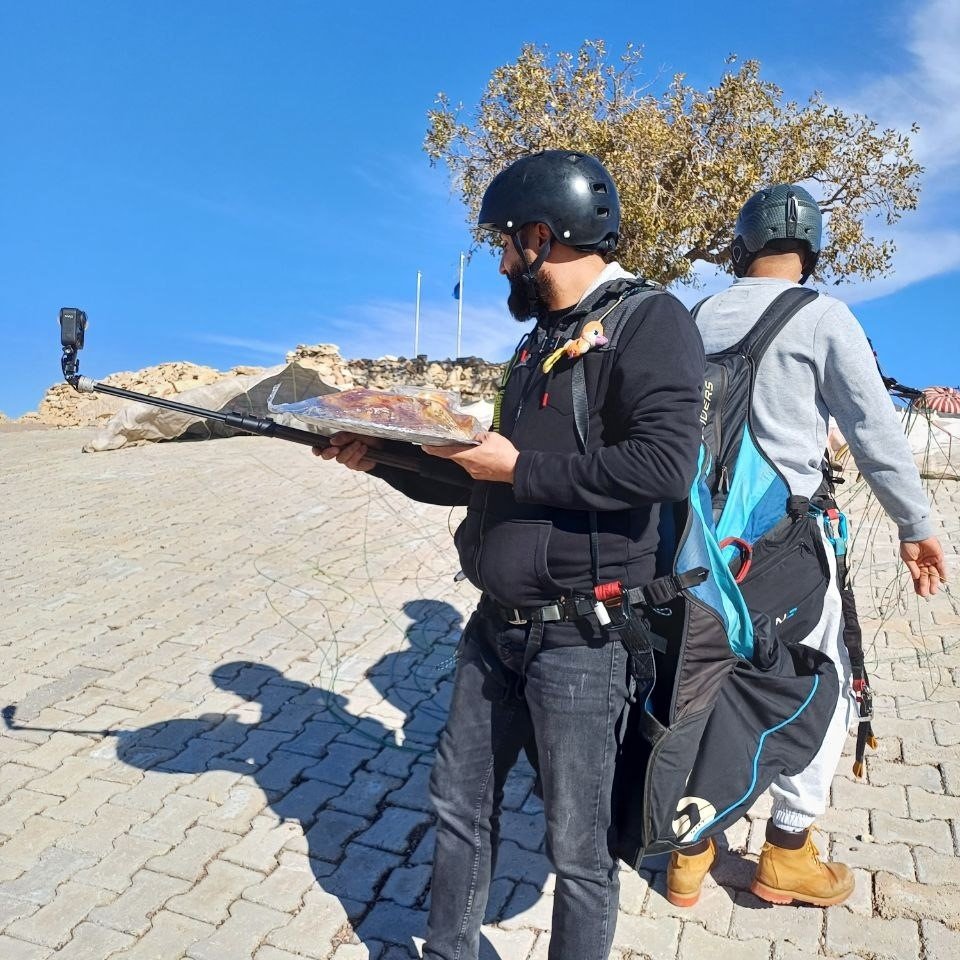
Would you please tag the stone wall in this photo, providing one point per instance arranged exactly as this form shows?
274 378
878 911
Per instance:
473 378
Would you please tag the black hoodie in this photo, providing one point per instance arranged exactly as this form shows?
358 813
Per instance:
529 544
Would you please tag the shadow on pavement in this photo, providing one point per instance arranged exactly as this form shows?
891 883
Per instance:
357 790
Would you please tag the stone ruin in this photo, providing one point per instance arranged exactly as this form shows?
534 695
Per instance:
473 378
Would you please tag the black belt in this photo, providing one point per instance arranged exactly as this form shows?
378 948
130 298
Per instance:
581 606
560 611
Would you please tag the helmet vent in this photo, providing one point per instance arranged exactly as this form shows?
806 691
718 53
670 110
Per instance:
603 212
599 187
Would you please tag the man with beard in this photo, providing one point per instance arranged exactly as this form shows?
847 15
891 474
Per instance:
562 500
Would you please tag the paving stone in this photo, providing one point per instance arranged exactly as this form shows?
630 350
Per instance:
189 858
210 899
134 909
392 923
510 943
894 857
170 936
260 848
57 748
905 774
170 823
241 934
53 924
786 924
406 885
115 871
713 910
305 802
21 806
361 872
874 936
34 836
646 936
939 941
93 942
13 949
285 888
313 929
267 952
39 883
848 794
527 909
339 764
98 838
328 837
896 897
928 833
937 866
696 943
366 794
932 806
392 829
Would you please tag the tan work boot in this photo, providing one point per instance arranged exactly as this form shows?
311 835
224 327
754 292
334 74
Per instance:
785 875
685 874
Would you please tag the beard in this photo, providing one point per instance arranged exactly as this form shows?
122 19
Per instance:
526 300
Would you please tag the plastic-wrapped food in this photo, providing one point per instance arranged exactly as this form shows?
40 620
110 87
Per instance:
409 414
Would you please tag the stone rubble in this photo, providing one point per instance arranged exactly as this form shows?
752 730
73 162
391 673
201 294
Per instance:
473 378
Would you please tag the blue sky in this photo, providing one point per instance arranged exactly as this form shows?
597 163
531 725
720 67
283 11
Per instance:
218 182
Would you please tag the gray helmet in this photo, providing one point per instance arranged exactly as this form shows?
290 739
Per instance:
776 218
572 193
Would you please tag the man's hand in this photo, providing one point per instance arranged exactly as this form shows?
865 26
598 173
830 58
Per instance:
494 459
925 561
350 450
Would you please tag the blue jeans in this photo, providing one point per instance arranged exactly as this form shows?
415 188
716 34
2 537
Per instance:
569 700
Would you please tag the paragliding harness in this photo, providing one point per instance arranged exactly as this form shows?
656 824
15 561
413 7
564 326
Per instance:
720 706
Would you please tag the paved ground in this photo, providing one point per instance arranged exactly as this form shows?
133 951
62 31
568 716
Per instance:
242 657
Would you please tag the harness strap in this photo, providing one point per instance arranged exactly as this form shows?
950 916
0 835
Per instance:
637 291
784 307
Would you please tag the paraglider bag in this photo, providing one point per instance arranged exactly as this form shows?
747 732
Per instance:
788 577
721 706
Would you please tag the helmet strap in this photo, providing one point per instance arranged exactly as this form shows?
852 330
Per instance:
809 265
532 269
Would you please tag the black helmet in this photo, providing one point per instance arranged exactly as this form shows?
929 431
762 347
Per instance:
570 192
775 217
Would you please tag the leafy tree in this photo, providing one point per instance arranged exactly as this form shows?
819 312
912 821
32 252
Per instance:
685 160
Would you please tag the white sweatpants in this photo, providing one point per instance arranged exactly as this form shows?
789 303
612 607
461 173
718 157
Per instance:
800 799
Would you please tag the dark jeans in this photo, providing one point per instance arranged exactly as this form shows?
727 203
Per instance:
570 701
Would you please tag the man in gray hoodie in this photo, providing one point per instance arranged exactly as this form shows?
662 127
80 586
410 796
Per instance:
819 365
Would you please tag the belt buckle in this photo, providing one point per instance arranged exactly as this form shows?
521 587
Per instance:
517 620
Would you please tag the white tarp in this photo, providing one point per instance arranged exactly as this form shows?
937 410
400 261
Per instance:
137 422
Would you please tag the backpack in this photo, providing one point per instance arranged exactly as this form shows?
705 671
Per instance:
722 703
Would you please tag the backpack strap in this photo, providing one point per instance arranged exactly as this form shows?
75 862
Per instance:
638 291
784 307
695 309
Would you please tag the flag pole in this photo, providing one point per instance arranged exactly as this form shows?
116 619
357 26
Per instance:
416 321
460 307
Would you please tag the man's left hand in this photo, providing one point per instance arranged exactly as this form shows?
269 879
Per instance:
495 458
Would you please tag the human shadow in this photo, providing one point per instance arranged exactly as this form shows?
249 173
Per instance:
357 786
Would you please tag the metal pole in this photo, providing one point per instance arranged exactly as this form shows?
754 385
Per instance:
460 307
416 322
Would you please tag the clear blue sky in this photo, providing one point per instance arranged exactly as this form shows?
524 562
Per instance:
219 181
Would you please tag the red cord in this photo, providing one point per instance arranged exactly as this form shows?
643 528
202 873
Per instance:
608 591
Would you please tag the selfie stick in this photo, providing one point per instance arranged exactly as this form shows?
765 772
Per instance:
73 324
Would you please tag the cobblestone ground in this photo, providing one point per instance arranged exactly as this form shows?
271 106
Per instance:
234 661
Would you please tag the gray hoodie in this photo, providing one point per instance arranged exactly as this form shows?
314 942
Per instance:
819 366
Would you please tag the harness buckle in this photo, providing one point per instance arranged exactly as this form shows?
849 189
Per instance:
516 620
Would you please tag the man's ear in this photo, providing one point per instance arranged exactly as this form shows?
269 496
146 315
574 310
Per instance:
543 234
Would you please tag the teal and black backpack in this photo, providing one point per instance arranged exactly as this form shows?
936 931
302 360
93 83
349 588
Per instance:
724 698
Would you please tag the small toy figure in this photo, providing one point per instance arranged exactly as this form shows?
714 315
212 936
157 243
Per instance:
590 336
